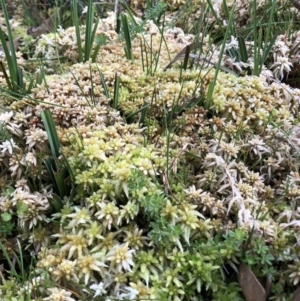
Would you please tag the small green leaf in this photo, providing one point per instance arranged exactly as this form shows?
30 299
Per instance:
101 39
56 203
6 216
9 191
21 208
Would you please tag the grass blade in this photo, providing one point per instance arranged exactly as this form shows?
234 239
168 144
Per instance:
78 84
186 57
100 41
213 83
2 69
88 30
103 83
128 48
11 53
116 91
51 132
59 171
268 45
91 41
77 29
92 87
143 109
12 65
243 49
215 15
61 179
12 270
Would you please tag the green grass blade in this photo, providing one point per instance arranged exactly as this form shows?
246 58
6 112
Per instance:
78 84
11 79
268 45
100 40
51 167
243 49
116 92
268 48
51 132
212 84
215 15
227 13
20 261
88 30
60 178
130 12
92 87
2 69
103 82
56 203
95 53
31 84
77 29
12 270
161 30
186 57
12 62
143 109
29 14
128 48
92 40
118 24
255 38
20 80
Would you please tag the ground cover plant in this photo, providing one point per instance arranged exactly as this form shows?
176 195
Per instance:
149 150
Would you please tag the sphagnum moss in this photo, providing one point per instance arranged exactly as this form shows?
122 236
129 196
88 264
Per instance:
136 227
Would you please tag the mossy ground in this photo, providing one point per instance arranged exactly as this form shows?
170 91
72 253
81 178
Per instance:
173 177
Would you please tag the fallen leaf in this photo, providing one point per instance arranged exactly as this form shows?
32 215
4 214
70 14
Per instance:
252 289
16 43
180 55
268 285
47 25
297 295
185 53
297 4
